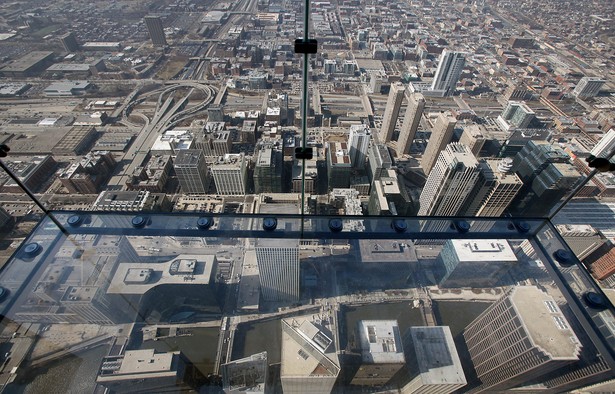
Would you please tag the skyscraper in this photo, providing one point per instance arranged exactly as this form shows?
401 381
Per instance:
230 175
438 366
388 196
477 263
215 113
519 338
588 87
450 182
338 165
191 171
382 353
69 42
155 30
412 119
606 146
391 112
359 142
448 72
547 176
268 171
278 266
379 161
496 187
441 135
516 115
310 364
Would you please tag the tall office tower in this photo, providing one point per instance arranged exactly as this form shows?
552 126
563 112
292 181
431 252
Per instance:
338 165
215 113
606 146
516 115
278 266
359 142
450 182
519 338
441 135
155 30
434 358
389 197
191 171
588 87
410 124
547 176
391 112
382 353
497 186
448 72
230 175
310 364
268 171
473 137
380 161
246 375
476 263
69 42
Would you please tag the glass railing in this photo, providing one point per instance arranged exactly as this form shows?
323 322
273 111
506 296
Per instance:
283 303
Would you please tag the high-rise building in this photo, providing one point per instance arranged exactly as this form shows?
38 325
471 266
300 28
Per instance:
268 171
441 135
452 179
230 175
547 176
477 263
191 171
247 375
495 189
606 146
69 42
473 138
410 124
338 165
516 115
389 197
519 338
215 113
448 72
155 30
380 161
588 87
434 361
155 372
358 140
382 352
310 364
278 266
391 112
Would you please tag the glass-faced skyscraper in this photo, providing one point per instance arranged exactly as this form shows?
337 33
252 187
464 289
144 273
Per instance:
155 30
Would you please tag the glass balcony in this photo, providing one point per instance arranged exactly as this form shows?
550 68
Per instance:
284 303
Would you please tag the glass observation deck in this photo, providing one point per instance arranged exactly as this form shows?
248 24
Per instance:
257 283
282 303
